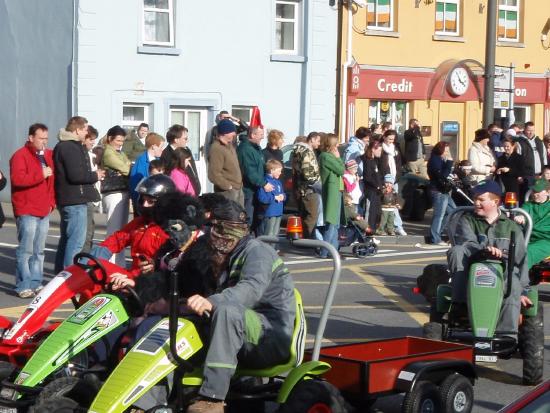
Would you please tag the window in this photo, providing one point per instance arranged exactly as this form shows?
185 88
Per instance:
194 119
158 22
380 15
395 112
447 15
522 114
242 112
135 113
508 20
288 27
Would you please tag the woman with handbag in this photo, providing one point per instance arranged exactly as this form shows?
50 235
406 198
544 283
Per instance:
115 188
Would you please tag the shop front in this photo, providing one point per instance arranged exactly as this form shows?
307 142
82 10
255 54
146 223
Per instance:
447 101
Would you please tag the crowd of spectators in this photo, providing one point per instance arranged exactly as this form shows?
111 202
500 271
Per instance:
332 183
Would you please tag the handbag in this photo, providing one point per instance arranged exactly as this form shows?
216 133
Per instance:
114 181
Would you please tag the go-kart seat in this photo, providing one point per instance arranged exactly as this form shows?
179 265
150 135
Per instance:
297 347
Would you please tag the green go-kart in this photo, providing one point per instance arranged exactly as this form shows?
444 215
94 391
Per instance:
489 283
61 365
170 345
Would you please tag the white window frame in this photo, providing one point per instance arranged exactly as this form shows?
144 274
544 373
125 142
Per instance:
515 8
242 107
298 27
393 104
203 126
392 13
135 123
171 23
443 32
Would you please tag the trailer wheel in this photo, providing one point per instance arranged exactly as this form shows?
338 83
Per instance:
432 330
423 398
315 396
73 388
531 343
57 405
6 369
457 394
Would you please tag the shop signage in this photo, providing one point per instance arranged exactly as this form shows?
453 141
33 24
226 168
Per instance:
403 86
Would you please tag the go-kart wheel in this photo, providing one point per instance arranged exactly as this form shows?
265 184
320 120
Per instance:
315 396
95 265
423 398
457 394
433 330
57 405
531 344
79 390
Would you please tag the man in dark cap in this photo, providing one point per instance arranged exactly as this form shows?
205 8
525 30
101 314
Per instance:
487 230
252 311
223 165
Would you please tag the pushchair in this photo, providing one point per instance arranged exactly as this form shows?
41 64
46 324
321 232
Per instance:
362 244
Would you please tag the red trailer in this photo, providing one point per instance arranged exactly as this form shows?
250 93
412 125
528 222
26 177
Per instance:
434 375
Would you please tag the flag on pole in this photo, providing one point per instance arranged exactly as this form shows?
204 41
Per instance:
255 118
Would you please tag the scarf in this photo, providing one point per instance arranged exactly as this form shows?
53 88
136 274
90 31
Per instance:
392 153
224 237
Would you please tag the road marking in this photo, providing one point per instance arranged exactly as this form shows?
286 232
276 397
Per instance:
410 309
309 308
411 262
328 282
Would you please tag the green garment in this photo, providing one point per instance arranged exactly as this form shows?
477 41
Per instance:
539 243
332 169
133 147
252 163
117 161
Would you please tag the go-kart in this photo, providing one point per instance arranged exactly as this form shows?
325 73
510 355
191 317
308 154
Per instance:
20 339
61 365
489 283
432 374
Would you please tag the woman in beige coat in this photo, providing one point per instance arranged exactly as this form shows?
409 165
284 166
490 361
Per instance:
481 156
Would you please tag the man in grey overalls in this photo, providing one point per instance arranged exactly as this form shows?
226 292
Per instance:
488 229
253 311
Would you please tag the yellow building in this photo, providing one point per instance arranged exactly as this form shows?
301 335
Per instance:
403 59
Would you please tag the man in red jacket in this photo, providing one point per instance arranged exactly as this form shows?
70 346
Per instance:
33 199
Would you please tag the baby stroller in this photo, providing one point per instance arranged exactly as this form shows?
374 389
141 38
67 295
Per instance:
362 244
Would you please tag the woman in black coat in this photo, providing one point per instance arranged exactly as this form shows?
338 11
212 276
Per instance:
373 179
510 167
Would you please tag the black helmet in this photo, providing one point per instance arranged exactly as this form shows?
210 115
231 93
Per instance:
153 186
156 185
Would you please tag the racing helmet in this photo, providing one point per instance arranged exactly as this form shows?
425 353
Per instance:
153 186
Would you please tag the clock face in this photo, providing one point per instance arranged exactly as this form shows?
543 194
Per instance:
458 81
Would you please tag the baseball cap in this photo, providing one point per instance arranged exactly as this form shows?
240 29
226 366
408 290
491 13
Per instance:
487 186
541 185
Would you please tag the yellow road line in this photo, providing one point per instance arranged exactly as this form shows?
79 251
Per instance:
413 261
346 307
327 282
419 316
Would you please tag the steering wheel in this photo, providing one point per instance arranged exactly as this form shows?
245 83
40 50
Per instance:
90 268
138 307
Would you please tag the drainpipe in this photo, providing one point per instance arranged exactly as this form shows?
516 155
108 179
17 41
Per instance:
345 65
74 88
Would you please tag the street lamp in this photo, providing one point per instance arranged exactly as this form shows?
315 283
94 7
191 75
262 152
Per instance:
490 46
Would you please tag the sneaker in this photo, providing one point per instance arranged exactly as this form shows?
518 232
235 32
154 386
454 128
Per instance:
391 233
401 232
380 232
206 406
38 289
28 293
442 244
375 240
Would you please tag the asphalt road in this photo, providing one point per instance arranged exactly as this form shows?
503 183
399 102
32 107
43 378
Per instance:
374 300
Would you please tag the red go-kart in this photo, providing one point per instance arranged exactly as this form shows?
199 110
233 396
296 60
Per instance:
20 339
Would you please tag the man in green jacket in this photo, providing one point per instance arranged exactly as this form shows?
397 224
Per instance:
251 161
134 144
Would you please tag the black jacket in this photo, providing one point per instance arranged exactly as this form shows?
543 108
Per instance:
372 174
510 178
438 171
384 162
168 158
74 178
527 154
270 153
413 138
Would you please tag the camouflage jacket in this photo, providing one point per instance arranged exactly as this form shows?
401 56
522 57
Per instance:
305 169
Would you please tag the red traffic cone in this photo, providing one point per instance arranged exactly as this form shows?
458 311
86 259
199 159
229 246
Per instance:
255 118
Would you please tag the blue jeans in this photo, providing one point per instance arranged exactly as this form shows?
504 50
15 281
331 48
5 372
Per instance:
443 205
31 235
74 219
